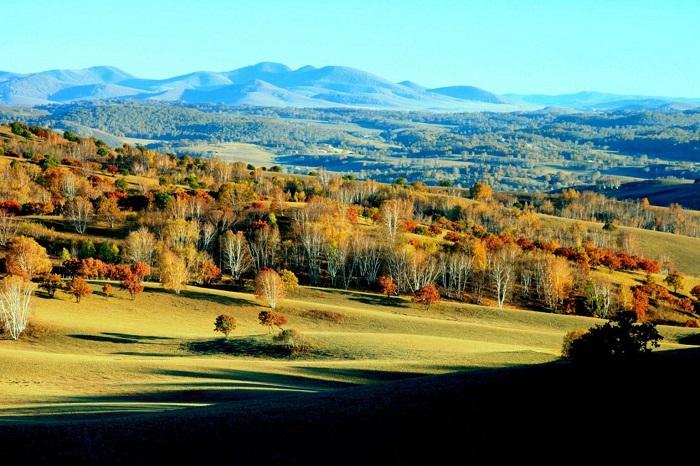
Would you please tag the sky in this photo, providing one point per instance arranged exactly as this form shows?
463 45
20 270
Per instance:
525 46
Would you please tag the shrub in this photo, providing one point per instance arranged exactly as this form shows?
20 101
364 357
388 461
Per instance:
293 341
79 288
51 283
427 295
621 340
569 339
107 289
271 319
291 282
225 324
34 330
387 286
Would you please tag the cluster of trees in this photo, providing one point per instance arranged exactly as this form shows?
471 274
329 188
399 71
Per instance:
207 218
509 150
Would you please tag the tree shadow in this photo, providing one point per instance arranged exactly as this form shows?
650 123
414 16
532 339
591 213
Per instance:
122 338
693 339
379 301
214 298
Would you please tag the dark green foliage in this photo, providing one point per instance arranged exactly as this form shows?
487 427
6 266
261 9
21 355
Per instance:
618 340
225 324
71 136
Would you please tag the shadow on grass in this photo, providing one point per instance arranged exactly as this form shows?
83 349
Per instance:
258 346
693 339
214 298
379 301
122 338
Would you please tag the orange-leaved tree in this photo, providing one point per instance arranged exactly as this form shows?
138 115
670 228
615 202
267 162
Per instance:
427 295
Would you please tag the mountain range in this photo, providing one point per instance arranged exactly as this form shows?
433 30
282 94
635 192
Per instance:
274 84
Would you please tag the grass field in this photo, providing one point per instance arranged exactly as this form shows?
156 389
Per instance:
235 152
159 352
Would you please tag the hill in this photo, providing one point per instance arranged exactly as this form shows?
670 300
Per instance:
264 84
660 192
275 84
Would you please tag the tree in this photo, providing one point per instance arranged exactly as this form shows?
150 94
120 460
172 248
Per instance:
27 258
675 280
427 295
387 286
599 295
79 288
140 269
140 246
225 324
269 287
79 211
8 227
237 259
107 289
132 284
480 191
696 292
619 340
271 319
291 282
109 211
557 281
640 303
208 273
51 283
173 271
394 211
15 304
502 271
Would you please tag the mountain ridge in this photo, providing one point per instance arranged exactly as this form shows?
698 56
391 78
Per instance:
276 84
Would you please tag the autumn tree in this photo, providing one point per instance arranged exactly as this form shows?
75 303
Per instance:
15 302
50 283
557 281
387 286
173 271
501 269
271 319
290 280
208 273
427 295
140 246
79 211
131 283
640 303
79 288
225 324
8 227
394 211
237 259
695 292
269 287
480 191
108 210
107 290
675 280
27 258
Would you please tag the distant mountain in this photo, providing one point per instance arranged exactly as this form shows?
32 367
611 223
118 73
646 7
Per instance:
588 100
275 84
470 93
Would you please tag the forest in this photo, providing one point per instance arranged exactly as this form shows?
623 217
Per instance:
520 151
73 209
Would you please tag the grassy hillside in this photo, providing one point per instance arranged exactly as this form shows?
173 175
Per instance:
159 352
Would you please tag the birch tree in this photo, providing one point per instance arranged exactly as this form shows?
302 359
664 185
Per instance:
15 301
237 259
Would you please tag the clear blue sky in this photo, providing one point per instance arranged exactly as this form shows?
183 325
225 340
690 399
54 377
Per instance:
625 46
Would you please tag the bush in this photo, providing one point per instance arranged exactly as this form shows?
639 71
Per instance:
619 340
225 324
293 341
569 339
34 330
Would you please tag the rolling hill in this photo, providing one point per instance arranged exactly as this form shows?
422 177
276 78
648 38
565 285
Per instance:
275 84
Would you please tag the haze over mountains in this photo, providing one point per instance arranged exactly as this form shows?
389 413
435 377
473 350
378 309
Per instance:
274 84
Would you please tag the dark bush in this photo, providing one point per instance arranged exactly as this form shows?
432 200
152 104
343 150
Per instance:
618 340
293 341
